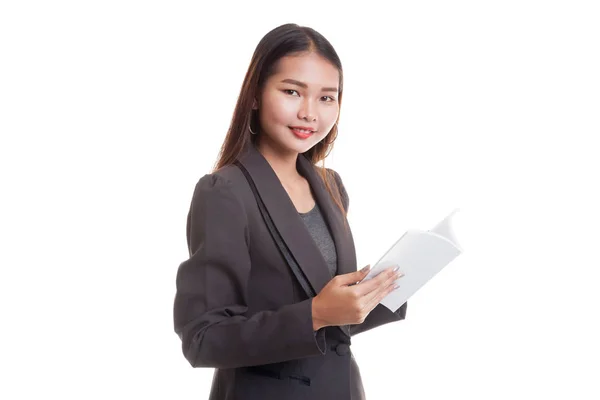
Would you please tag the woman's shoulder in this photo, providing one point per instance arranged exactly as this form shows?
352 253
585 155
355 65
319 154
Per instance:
330 174
226 181
228 175
335 178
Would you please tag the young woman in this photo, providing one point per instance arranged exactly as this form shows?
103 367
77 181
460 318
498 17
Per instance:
269 294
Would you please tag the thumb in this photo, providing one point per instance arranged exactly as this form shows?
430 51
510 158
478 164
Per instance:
354 277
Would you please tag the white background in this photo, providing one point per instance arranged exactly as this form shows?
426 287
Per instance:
111 111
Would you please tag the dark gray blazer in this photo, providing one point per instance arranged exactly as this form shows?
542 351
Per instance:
238 307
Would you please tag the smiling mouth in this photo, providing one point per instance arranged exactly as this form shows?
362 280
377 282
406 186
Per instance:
301 130
302 133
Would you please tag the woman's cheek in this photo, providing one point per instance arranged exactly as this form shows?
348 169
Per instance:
330 116
284 109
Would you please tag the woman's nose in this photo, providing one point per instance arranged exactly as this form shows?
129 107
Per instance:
307 111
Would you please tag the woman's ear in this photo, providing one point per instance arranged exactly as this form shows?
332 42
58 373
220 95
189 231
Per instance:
255 105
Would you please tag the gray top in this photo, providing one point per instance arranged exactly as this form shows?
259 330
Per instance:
320 233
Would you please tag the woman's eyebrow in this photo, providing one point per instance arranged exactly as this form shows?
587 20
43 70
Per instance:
304 85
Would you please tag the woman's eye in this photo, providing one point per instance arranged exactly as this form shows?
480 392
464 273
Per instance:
292 92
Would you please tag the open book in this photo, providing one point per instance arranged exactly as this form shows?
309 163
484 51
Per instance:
420 255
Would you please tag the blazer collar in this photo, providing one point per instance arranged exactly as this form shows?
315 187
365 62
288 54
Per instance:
290 224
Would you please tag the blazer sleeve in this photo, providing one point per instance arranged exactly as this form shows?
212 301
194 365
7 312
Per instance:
380 315
210 306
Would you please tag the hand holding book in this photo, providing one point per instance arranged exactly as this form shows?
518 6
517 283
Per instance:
420 256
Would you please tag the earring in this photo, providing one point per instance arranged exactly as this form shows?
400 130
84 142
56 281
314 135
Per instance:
250 123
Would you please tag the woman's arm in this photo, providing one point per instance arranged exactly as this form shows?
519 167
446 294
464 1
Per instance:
380 315
210 300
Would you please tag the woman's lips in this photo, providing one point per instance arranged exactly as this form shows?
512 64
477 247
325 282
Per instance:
302 134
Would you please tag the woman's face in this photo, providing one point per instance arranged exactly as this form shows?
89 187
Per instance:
303 93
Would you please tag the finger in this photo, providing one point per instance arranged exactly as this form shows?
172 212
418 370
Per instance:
367 287
381 280
353 277
381 295
383 288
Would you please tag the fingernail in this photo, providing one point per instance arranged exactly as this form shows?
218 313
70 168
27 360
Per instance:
396 269
365 269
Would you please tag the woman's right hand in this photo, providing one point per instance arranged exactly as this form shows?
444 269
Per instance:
341 302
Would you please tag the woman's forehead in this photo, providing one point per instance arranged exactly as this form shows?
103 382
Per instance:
311 69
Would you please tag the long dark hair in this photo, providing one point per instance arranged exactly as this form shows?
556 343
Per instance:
280 42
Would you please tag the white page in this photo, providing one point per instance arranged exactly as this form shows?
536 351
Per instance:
420 256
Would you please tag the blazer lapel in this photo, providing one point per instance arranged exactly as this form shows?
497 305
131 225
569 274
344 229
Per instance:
290 225
344 243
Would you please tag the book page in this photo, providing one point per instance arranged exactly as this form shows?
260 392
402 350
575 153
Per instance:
420 255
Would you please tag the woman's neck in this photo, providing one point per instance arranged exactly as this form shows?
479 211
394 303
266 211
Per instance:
283 162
